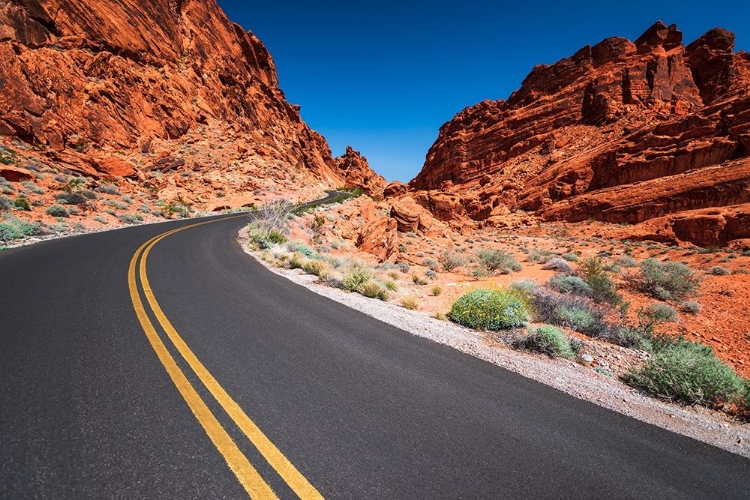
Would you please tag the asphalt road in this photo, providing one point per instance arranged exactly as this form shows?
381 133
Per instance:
359 408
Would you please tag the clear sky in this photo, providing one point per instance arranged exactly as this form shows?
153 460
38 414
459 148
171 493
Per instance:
383 76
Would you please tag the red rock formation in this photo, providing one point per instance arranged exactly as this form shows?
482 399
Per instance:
355 170
81 76
621 131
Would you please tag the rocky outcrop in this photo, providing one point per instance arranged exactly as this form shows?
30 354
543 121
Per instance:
78 77
355 170
622 131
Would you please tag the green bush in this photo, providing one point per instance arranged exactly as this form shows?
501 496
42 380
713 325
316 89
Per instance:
660 312
356 278
571 257
547 340
689 372
14 229
490 310
276 237
22 204
664 280
603 289
57 211
576 318
301 248
498 260
571 311
564 283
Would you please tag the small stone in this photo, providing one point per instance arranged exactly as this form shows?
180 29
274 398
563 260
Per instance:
587 359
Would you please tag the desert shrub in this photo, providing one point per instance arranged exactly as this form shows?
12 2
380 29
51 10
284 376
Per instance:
565 283
718 271
402 248
32 187
524 287
547 340
71 198
57 211
626 261
295 246
5 203
450 260
7 155
436 290
373 290
664 280
558 264
403 267
100 220
480 272
117 204
431 274
355 278
571 311
660 312
89 194
107 189
410 302
431 263
130 218
603 289
691 307
22 204
296 261
538 256
627 336
570 256
276 237
13 229
498 260
490 310
689 372
315 267
390 285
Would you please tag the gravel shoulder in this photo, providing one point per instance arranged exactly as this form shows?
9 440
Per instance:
574 379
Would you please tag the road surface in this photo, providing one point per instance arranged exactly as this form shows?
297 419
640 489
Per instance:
133 367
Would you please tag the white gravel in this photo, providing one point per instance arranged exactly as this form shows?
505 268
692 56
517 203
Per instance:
702 424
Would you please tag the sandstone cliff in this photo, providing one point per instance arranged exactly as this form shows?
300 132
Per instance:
621 132
79 80
355 170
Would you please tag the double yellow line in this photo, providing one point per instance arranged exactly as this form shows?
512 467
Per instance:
247 475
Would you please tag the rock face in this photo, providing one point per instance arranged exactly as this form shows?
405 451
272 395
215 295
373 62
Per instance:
621 132
355 170
81 76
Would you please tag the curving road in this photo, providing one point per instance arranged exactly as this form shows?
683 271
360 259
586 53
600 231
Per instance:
274 390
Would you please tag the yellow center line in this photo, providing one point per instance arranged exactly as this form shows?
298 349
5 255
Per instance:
248 477
296 481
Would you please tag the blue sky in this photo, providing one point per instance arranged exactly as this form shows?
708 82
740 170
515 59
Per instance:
384 76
